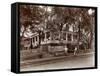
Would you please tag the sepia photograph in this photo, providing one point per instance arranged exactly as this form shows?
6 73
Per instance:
56 37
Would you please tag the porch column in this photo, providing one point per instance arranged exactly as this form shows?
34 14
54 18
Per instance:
72 37
66 37
38 39
59 36
32 41
35 40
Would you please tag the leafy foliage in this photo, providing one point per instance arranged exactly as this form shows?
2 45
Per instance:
56 19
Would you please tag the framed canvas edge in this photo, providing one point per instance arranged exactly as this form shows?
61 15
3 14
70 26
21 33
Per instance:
52 70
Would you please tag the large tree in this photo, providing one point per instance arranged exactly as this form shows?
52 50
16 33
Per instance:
57 19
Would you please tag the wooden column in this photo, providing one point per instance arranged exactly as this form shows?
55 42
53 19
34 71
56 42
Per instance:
38 39
35 40
32 41
66 37
72 37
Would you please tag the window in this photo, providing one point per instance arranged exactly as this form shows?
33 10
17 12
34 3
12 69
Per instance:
48 35
75 37
69 37
64 36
